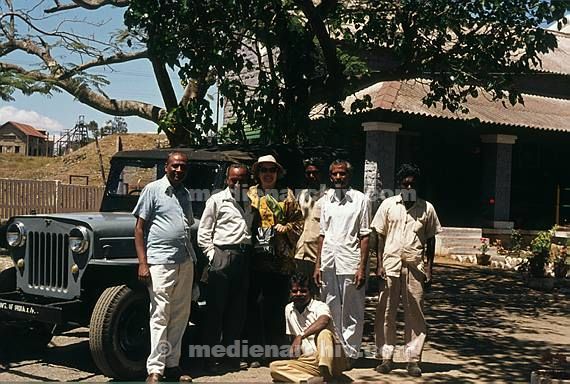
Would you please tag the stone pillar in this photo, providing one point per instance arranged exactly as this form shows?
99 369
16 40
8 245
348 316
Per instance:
497 165
380 158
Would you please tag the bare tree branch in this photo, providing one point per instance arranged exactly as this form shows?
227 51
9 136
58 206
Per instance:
87 4
87 96
120 57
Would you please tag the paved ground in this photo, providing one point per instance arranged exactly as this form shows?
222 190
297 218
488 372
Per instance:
485 326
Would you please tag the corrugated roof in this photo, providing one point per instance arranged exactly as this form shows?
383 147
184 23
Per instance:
406 96
26 129
558 60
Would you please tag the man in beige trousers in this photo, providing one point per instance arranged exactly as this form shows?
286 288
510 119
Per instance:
316 352
407 226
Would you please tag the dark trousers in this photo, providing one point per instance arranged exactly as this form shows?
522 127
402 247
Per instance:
226 296
268 296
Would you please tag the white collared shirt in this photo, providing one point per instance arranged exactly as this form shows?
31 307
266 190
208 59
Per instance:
343 223
297 323
406 232
224 222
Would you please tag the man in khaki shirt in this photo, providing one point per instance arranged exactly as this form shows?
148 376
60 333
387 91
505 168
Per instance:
309 200
407 226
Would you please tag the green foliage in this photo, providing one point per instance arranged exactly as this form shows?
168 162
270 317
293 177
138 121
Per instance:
516 241
540 246
543 240
11 81
116 126
274 60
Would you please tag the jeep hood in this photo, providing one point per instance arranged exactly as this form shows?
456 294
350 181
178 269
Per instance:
103 224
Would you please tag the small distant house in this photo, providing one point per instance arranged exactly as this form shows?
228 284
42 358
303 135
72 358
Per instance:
24 139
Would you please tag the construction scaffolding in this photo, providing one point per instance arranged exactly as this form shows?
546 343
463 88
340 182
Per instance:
72 139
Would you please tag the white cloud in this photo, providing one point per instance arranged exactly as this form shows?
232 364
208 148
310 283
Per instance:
31 118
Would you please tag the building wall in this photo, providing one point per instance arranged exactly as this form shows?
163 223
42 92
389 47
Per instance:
454 160
12 140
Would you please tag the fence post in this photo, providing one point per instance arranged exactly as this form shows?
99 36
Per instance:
58 198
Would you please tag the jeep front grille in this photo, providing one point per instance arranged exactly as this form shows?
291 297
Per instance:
49 260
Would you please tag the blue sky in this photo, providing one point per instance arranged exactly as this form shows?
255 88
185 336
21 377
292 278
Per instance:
132 80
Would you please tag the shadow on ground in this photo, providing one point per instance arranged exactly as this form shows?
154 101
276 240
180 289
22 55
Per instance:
486 322
480 315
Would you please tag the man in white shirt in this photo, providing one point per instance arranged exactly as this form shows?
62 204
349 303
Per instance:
340 269
224 235
407 225
315 349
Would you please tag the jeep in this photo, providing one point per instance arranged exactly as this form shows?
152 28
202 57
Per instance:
80 269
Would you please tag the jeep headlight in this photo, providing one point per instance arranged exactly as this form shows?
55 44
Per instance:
79 239
15 235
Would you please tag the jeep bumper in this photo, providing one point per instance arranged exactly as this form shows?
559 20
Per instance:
14 305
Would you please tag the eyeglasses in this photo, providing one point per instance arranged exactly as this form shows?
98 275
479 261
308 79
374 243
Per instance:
268 170
312 172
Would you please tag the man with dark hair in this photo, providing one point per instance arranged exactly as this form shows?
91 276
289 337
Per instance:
309 200
407 226
315 349
224 235
166 265
341 264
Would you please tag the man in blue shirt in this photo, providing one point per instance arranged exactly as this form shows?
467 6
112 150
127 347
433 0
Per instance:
166 265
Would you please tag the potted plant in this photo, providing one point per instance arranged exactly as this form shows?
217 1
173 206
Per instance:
534 266
560 263
483 258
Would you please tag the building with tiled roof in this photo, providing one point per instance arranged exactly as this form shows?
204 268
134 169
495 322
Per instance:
24 139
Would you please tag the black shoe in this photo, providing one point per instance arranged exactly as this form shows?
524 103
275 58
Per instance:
325 372
212 368
255 364
414 370
386 366
173 374
233 365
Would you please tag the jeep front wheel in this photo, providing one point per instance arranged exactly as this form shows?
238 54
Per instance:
119 332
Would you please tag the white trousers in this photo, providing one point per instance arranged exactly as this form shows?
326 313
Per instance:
347 308
170 299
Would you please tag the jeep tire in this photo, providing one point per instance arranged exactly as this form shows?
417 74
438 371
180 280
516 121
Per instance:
119 332
8 280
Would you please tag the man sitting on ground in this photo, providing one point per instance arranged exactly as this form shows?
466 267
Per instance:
315 350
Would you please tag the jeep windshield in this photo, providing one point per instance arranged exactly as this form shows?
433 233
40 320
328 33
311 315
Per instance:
127 178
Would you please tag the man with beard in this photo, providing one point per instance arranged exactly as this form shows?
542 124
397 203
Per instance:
224 235
341 264
315 350
407 226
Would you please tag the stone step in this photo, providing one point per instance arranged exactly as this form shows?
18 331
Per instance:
464 250
460 241
459 231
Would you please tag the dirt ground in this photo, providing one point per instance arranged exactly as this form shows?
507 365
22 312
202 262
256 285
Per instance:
82 162
485 325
